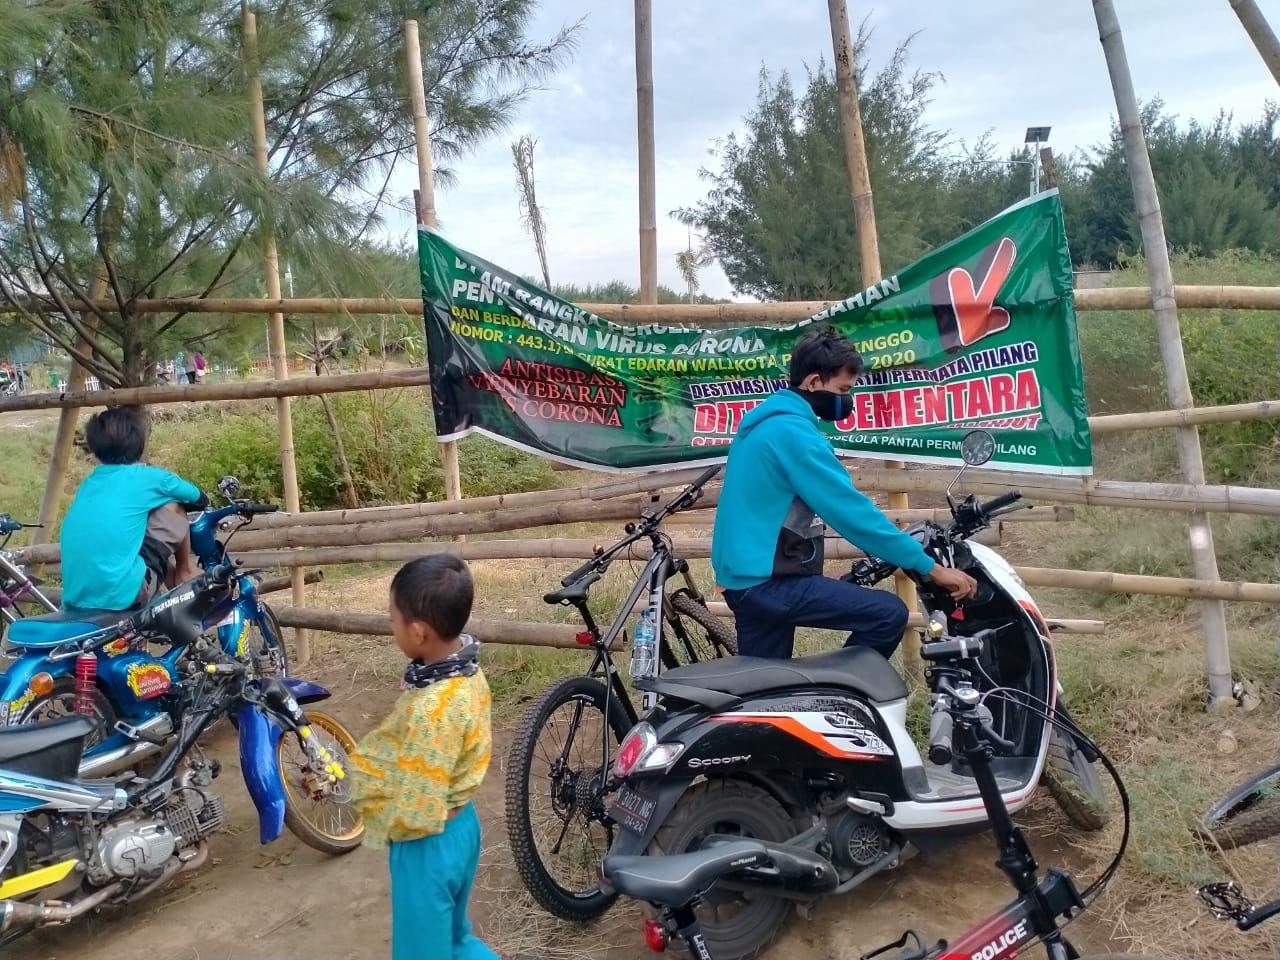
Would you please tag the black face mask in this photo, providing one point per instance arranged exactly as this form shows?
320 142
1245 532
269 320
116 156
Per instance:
828 405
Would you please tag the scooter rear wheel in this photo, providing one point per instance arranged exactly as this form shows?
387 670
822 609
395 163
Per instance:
736 924
61 702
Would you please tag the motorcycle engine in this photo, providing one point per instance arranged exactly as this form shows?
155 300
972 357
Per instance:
134 848
141 847
857 840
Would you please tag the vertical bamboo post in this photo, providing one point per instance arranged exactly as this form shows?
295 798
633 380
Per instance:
60 456
275 325
1260 32
864 212
1160 276
645 148
426 209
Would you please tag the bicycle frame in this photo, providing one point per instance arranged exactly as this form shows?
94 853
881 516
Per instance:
16 587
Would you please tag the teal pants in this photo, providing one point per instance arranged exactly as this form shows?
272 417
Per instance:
430 885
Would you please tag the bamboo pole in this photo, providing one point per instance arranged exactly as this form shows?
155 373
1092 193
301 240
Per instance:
512 632
276 339
710 315
205 392
521 633
1260 32
427 210
1232 413
646 153
864 213
1164 302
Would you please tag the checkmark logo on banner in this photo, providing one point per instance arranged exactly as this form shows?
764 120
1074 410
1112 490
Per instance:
966 307
976 312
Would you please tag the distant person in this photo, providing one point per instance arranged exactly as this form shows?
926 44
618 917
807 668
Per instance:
22 380
416 772
200 364
125 537
189 367
55 382
782 481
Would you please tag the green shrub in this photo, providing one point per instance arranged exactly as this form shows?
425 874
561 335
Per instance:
389 441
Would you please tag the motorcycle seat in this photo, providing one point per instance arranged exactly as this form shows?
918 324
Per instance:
51 750
851 668
675 880
51 629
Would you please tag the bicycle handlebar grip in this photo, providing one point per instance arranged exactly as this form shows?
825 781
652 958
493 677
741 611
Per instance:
940 749
250 509
1013 496
578 574
705 476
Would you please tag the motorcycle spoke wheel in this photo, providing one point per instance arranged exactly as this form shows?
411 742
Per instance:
322 816
62 703
556 821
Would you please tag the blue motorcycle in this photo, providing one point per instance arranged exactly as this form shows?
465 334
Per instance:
130 694
69 845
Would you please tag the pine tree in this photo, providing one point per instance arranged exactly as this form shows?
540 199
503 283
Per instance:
125 166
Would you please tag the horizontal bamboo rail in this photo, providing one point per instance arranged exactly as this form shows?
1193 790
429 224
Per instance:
522 633
699 548
1231 413
270 585
205 392
513 632
1049 514
705 314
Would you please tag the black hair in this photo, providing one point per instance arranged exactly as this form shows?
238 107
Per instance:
825 352
118 434
436 590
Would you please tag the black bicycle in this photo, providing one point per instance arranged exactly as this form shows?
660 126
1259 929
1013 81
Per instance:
1248 814
558 766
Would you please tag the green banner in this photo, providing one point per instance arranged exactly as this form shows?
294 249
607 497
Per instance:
979 333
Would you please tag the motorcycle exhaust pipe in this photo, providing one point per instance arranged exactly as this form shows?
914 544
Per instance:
121 758
17 913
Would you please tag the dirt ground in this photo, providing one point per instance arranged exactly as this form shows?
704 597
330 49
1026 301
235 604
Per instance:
287 900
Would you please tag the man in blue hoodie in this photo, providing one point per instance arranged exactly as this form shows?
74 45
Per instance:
782 482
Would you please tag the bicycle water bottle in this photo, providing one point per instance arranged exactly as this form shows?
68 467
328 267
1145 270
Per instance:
643 643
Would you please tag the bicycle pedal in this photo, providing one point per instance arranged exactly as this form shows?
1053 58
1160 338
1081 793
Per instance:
1226 901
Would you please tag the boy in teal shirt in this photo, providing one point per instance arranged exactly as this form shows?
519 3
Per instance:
125 536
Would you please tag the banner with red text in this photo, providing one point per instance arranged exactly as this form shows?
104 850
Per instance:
979 333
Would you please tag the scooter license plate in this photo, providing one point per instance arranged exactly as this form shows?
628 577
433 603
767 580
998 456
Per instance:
632 811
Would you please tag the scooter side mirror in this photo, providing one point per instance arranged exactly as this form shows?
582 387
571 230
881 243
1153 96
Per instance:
976 448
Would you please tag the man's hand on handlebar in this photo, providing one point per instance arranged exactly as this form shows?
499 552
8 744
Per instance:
959 584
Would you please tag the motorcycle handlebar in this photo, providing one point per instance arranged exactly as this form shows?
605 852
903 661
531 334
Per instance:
991 506
940 727
249 509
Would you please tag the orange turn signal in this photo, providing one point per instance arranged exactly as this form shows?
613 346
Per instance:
41 684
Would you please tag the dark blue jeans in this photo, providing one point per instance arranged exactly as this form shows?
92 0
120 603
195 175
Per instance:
767 614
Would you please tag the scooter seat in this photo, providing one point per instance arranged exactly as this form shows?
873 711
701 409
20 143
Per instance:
50 750
676 880
51 629
851 668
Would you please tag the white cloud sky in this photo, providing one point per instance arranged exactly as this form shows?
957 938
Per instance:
1007 64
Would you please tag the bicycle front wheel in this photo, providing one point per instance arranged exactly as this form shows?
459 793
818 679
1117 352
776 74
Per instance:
1249 813
556 821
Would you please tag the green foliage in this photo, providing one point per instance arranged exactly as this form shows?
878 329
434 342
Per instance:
1233 356
1217 184
389 442
125 148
